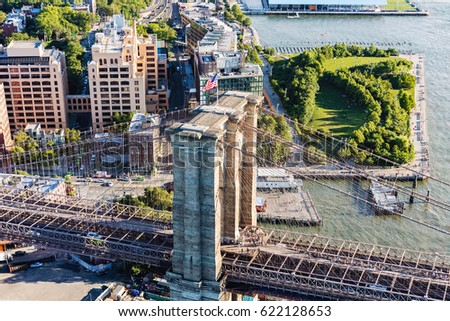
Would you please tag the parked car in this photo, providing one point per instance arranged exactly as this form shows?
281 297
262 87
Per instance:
36 265
101 180
123 179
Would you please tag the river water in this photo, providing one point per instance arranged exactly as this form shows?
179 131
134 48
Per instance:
347 218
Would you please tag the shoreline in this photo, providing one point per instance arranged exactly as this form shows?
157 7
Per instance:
298 14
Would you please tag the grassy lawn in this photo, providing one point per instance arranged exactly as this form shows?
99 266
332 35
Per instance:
348 62
335 114
400 5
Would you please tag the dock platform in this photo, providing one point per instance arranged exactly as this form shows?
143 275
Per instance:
289 208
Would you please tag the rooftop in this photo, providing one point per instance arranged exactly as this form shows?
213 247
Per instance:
248 70
25 44
141 121
34 183
28 51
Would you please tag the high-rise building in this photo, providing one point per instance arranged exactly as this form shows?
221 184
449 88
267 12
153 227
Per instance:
35 81
125 74
214 47
5 133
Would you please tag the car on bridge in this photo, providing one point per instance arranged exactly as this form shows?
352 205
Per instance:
378 287
19 253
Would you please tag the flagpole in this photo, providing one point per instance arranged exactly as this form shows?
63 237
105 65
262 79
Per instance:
217 92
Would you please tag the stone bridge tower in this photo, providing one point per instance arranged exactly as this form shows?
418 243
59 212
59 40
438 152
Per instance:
215 189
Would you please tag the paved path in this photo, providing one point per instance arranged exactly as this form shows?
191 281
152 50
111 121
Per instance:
271 96
418 121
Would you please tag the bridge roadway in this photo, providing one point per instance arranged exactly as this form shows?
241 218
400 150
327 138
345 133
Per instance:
125 232
267 259
302 264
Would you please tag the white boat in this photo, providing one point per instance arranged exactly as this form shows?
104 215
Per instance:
293 16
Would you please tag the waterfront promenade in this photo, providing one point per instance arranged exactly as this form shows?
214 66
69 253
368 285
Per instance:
418 121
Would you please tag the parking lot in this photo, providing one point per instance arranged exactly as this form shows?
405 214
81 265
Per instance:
96 190
62 280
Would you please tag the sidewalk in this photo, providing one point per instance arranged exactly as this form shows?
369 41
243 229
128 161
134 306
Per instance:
270 94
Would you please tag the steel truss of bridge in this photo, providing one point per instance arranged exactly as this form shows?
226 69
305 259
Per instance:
303 264
100 229
283 261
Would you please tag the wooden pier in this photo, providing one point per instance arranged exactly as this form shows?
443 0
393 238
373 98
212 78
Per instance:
289 208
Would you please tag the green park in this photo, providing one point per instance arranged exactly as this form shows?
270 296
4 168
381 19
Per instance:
361 94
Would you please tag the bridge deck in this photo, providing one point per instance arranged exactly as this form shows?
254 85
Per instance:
330 268
118 231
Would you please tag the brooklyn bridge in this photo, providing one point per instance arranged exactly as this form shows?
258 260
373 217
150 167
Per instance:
210 246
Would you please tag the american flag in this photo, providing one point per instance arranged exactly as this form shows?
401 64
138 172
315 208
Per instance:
212 83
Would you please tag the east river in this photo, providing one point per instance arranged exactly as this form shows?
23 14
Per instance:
344 217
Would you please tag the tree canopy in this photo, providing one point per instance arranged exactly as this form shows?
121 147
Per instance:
161 29
154 197
274 152
371 87
121 122
236 14
130 8
18 36
62 22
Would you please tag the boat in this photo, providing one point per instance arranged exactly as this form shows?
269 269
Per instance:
293 16
384 199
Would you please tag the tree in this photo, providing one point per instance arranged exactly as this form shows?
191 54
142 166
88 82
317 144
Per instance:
121 122
21 139
72 135
228 16
269 51
274 152
247 21
19 172
142 30
158 198
253 56
2 17
162 30
406 100
49 22
19 37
